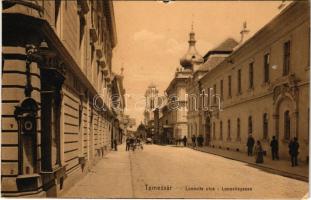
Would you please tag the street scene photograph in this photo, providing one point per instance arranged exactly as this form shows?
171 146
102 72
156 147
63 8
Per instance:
155 99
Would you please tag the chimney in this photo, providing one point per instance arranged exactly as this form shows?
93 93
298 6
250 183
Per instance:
244 32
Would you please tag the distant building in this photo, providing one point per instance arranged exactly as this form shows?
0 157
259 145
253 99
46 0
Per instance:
141 131
152 102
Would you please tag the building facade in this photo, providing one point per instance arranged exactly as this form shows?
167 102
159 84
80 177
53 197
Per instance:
265 87
56 59
175 125
199 98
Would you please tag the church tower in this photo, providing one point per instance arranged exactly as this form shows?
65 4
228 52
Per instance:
192 59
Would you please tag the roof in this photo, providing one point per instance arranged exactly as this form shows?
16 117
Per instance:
226 47
211 63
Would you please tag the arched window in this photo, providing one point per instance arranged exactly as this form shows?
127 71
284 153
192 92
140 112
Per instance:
238 136
191 129
220 127
265 125
286 125
229 130
250 125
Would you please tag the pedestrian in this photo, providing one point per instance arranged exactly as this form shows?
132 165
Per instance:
132 143
250 145
201 140
185 141
127 144
274 144
258 152
193 139
115 143
293 151
198 141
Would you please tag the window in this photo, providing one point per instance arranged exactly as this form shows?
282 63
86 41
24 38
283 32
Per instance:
220 127
214 94
238 136
239 82
229 86
251 75
152 103
203 99
209 96
286 59
214 130
221 89
190 129
286 125
229 130
265 125
250 125
266 67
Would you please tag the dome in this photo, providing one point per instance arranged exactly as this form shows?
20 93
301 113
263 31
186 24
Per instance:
192 57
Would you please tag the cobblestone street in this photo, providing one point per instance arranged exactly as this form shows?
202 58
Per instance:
166 171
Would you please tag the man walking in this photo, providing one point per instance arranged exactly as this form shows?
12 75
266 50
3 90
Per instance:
250 145
293 151
274 148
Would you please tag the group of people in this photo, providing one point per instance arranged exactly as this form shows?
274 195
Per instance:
132 143
197 140
182 141
274 145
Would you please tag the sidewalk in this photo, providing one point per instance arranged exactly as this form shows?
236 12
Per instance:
109 178
281 167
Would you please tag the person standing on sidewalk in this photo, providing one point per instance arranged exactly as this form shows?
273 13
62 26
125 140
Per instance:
193 138
274 148
258 152
293 151
115 144
250 145
127 144
198 141
185 141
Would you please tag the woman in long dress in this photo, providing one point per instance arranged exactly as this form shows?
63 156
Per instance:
258 152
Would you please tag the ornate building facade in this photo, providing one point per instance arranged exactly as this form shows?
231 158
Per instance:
264 87
56 59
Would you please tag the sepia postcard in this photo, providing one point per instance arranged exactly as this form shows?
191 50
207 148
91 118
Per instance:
124 99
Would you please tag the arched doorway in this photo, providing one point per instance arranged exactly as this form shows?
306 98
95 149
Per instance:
207 130
285 119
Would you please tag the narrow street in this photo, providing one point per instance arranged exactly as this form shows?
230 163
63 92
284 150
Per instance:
172 172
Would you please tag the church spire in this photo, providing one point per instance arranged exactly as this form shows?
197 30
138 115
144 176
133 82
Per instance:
192 40
192 58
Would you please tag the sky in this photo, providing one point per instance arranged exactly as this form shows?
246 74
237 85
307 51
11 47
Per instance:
153 36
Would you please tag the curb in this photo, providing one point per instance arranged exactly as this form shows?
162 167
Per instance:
266 168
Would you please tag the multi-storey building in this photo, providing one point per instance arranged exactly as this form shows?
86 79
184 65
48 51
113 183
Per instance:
264 85
199 98
56 59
